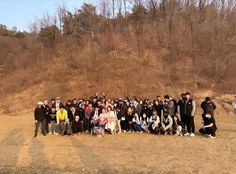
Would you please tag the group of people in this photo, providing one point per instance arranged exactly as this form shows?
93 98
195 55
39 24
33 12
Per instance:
98 115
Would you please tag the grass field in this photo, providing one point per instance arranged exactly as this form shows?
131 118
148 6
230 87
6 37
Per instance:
124 153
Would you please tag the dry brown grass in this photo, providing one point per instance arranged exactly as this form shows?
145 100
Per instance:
125 153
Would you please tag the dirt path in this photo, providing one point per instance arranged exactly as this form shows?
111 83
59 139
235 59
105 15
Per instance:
125 153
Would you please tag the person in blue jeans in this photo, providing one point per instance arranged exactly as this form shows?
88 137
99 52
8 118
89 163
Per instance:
137 123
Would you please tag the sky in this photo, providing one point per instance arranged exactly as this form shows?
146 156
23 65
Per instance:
21 13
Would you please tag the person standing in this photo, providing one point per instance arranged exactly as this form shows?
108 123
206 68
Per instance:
52 121
158 106
40 118
47 110
208 106
189 112
181 104
58 103
88 115
169 106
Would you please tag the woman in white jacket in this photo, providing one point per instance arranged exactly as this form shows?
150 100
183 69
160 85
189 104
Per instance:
111 121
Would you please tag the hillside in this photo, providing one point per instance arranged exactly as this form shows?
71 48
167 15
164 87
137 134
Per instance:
153 49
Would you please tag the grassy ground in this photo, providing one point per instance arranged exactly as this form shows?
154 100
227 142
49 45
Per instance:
125 153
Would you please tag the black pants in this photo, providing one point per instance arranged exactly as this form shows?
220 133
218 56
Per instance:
183 120
155 130
123 124
208 131
190 124
46 126
42 124
87 126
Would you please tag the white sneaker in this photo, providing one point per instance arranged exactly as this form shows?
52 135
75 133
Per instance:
55 133
192 135
49 133
212 137
187 134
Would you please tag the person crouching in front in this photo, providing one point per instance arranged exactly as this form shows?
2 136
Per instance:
209 126
62 117
177 126
154 126
167 123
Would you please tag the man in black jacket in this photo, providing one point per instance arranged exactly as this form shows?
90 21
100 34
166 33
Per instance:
181 105
189 112
208 106
40 118
47 110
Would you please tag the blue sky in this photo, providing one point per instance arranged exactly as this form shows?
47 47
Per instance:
21 13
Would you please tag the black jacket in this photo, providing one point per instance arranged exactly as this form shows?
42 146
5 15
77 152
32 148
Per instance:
52 116
208 107
72 116
208 121
39 114
181 105
47 112
188 107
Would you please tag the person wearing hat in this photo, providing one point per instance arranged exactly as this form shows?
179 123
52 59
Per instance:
40 118
209 126
62 117
208 106
189 112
